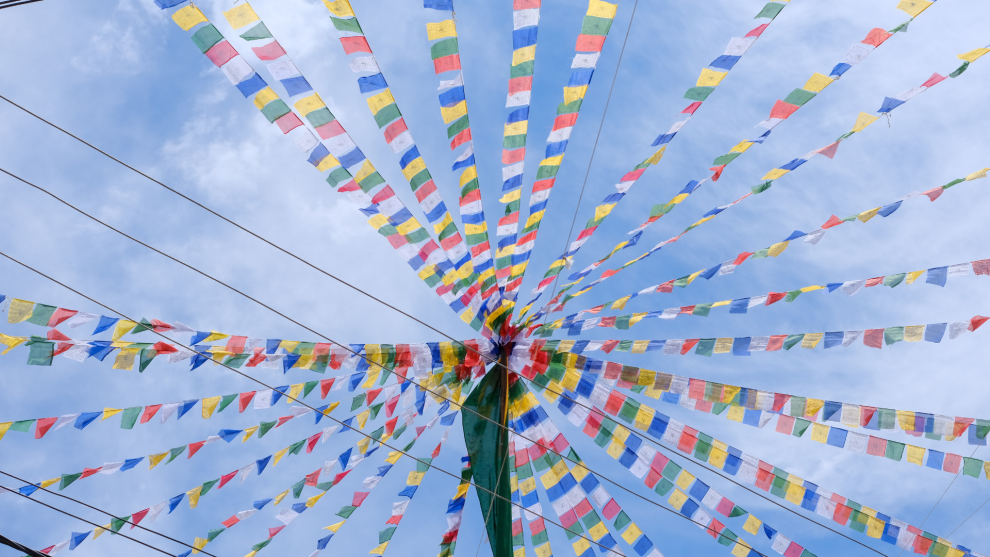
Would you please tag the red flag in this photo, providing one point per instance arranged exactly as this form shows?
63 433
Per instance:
42 426
226 478
87 472
314 478
312 442
60 315
149 412
55 334
137 517
194 447
273 531
245 399
325 385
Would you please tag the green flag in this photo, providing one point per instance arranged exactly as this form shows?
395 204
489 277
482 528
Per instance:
488 448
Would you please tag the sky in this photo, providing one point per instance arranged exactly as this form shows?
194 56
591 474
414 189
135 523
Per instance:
123 76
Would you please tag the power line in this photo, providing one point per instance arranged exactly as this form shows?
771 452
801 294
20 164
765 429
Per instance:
84 520
218 281
262 383
87 505
229 221
15 3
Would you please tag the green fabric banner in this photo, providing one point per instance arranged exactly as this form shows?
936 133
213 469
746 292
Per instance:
488 448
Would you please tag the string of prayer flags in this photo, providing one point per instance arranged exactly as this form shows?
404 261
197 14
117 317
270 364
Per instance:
729 266
453 109
210 405
368 485
862 121
150 514
795 414
763 475
413 480
348 461
414 242
744 346
595 378
594 29
538 529
455 511
687 492
192 449
460 283
935 275
565 484
525 28
797 98
291 512
709 79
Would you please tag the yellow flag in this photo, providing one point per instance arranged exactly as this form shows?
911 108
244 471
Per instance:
263 97
11 342
633 532
752 525
99 531
380 101
309 104
154 459
249 432
52 481
209 405
973 55
710 78
194 494
572 94
741 549
280 496
440 30
199 543
379 550
597 8
913 7
279 455
334 527
774 174
20 310
863 120
817 83
241 15
125 358
107 412
123 327
362 418
3 428
339 8
777 249
811 340
188 17
314 499
867 215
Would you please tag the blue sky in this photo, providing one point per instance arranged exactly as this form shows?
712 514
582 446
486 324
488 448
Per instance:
123 76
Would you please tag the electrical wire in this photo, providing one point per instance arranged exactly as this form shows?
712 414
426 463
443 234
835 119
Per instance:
218 281
263 384
231 222
86 521
87 505
15 3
